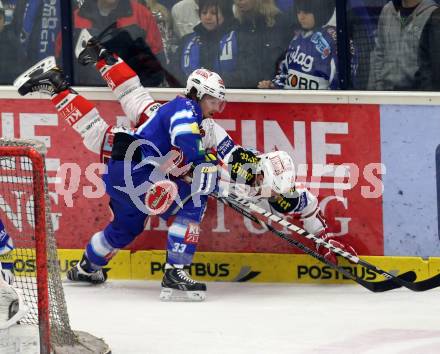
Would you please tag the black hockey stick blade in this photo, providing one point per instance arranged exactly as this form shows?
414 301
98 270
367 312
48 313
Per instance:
388 284
423 285
376 287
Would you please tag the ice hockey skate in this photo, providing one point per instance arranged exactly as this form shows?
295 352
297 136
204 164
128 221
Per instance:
44 77
178 286
78 274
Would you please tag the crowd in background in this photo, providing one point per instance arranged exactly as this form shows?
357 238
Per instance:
267 44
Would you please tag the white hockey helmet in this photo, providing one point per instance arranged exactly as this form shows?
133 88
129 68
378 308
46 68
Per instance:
206 82
278 171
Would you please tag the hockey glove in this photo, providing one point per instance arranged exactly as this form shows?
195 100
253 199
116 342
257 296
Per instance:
330 255
243 166
205 179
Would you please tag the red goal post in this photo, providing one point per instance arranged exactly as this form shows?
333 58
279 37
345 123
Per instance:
25 213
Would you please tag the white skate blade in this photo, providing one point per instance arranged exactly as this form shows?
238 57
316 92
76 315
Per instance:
83 38
44 65
168 294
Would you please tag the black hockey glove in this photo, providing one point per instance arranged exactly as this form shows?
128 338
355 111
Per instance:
243 166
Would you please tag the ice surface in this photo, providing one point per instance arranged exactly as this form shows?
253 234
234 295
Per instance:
258 318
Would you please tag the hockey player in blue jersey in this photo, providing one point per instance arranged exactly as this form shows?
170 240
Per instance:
172 132
310 62
146 167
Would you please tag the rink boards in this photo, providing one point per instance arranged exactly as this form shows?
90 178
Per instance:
372 161
241 267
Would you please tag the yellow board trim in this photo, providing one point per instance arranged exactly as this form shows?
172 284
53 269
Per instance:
238 267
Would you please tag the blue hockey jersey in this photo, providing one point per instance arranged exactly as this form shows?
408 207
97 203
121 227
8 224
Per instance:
310 62
175 125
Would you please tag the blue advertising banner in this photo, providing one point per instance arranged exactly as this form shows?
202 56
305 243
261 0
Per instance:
410 136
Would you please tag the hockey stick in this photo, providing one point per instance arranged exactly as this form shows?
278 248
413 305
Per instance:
379 286
423 285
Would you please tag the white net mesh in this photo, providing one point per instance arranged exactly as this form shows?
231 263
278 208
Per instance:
19 209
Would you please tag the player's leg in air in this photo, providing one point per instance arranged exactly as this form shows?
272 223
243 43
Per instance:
135 100
79 113
46 78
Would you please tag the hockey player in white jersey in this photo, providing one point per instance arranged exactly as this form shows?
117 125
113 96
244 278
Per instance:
276 172
268 180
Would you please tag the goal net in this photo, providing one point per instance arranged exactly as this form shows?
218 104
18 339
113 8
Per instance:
25 213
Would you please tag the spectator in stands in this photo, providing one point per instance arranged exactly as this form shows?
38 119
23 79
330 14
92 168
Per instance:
13 58
212 45
164 22
428 76
132 33
263 34
185 16
394 61
310 62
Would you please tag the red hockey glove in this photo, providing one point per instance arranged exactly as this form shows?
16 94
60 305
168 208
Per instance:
330 255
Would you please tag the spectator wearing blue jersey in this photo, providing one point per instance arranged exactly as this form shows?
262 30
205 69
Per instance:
212 45
310 62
